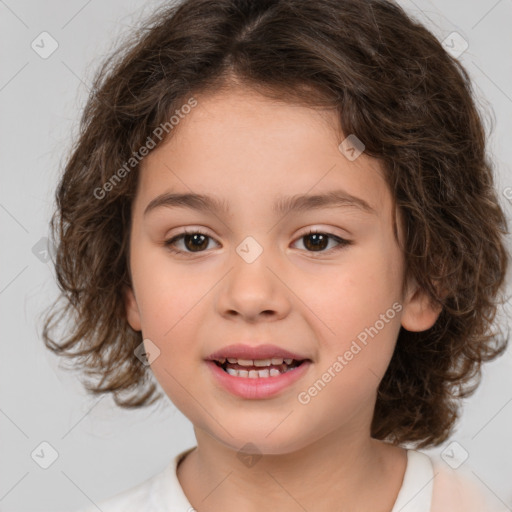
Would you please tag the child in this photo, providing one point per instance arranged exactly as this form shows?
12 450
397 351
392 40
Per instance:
285 210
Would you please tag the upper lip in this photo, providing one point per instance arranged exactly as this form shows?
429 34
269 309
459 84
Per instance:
240 351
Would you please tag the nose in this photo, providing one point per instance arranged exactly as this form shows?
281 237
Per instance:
254 291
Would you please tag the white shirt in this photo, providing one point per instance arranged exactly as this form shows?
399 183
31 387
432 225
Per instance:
427 486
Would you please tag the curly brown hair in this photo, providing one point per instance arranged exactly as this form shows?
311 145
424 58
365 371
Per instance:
392 85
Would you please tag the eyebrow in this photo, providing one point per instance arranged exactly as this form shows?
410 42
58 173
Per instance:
283 206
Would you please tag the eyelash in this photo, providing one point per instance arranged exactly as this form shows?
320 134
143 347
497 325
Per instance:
342 243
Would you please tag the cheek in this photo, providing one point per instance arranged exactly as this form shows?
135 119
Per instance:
373 281
169 306
349 374
351 296
179 356
358 308
164 292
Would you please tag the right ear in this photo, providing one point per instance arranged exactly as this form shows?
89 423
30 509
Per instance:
419 313
132 309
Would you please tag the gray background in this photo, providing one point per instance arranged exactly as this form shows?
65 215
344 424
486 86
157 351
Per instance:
103 449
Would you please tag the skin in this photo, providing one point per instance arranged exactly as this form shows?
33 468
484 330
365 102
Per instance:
248 150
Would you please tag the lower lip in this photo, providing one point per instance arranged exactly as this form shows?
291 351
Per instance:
261 387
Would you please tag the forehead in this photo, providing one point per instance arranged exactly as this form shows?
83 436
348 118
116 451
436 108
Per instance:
241 147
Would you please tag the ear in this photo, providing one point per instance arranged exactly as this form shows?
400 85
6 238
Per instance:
132 310
419 314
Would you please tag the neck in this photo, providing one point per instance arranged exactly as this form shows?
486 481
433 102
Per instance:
355 470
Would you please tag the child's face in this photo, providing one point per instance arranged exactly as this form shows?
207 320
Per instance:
249 151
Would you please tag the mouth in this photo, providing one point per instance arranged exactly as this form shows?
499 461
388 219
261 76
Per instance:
258 368
257 371
258 379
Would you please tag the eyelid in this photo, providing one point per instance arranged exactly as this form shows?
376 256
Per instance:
342 242
327 230
306 231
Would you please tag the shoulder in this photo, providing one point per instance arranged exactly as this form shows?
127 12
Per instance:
431 485
134 499
159 493
460 490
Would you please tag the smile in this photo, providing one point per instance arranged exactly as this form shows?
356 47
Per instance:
257 368
257 379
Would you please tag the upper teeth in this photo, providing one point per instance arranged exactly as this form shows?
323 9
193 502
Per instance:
257 362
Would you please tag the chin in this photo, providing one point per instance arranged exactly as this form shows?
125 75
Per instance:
258 442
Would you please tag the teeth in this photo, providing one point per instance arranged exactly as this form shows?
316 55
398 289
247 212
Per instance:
256 362
267 365
262 362
255 374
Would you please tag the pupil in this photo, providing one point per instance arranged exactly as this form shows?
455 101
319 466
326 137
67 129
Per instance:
187 238
319 240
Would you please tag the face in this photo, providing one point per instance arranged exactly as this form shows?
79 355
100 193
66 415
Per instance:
251 274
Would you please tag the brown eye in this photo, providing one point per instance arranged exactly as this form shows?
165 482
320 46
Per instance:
194 241
317 241
197 242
